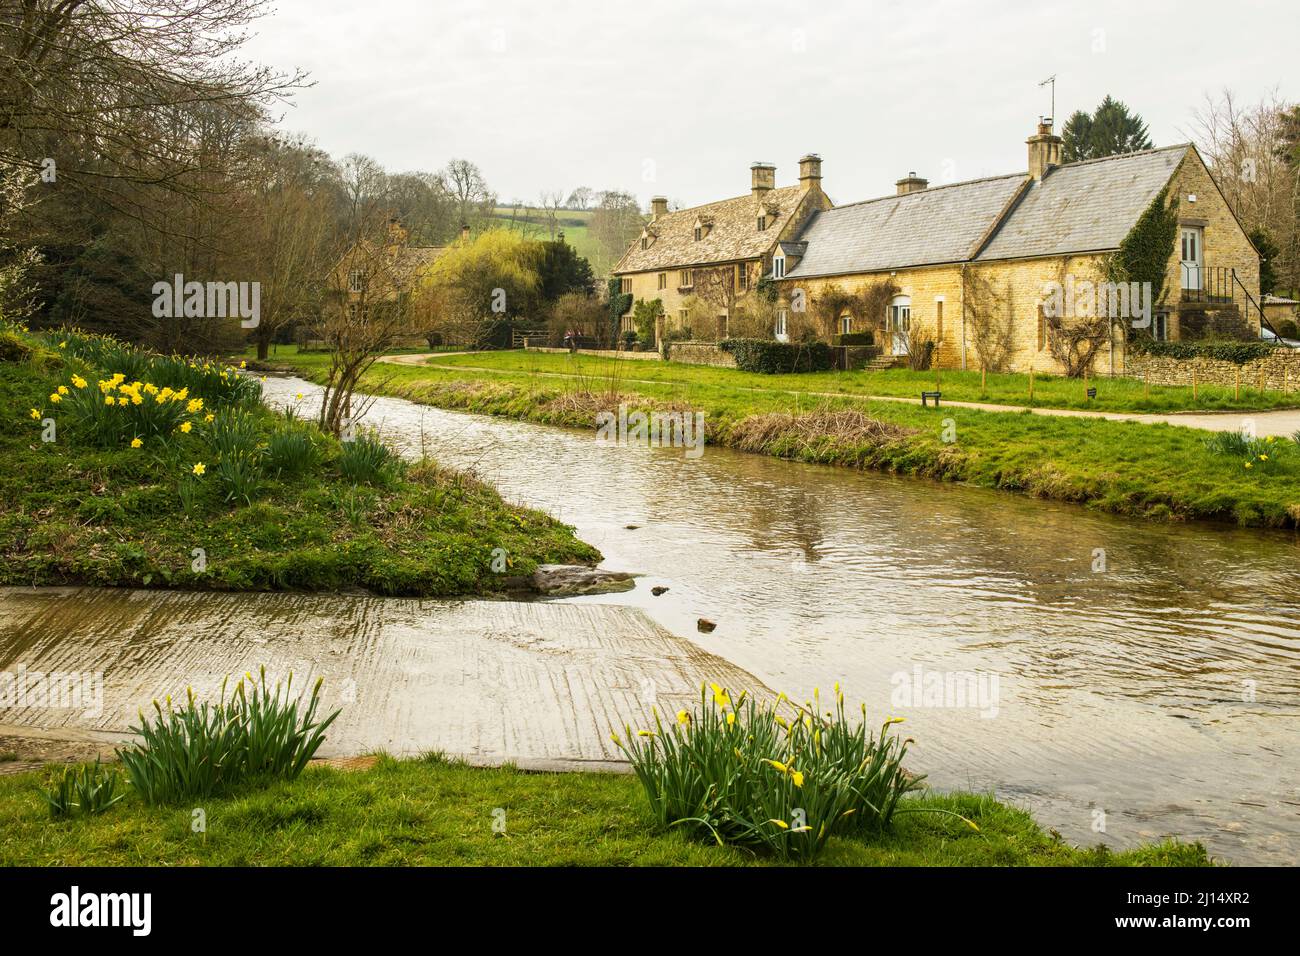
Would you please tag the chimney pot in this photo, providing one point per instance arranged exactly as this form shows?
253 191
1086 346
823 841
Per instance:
658 206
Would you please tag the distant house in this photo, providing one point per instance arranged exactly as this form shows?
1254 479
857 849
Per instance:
965 268
370 274
713 256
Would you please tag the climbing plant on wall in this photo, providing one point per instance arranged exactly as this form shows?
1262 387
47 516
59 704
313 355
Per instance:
1143 255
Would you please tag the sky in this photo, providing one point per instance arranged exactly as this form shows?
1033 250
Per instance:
678 98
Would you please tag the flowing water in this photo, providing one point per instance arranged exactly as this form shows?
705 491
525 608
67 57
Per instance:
1147 675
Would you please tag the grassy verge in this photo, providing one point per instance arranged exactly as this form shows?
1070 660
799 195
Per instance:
82 511
434 812
1155 471
1050 391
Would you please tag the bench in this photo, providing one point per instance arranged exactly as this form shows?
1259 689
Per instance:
926 396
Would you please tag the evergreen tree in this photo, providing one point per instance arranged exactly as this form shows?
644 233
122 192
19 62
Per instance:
1109 131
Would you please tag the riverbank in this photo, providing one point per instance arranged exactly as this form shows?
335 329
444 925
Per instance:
1135 470
225 494
435 812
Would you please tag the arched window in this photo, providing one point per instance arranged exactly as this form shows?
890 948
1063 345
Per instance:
898 323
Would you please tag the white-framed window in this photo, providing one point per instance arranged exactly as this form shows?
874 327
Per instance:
778 267
782 319
846 324
742 277
687 278
625 286
762 223
356 280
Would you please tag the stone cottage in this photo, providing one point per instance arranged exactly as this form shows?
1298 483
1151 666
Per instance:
708 260
1007 272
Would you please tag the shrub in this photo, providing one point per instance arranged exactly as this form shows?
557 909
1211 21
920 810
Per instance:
367 459
1239 353
205 749
1288 329
88 789
855 338
749 776
772 358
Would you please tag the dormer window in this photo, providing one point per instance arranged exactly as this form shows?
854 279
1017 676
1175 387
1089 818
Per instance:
356 281
762 223
699 233
645 243
778 267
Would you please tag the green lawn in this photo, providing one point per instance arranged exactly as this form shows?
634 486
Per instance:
574 222
1159 471
434 812
75 513
1050 391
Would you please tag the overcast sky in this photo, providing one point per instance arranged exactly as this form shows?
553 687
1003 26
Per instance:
679 97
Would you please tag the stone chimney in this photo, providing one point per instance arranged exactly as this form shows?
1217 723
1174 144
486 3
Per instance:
464 233
762 177
1044 149
911 183
658 207
810 171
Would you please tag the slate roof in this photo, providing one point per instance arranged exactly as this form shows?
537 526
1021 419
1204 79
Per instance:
733 236
1084 207
928 227
1080 207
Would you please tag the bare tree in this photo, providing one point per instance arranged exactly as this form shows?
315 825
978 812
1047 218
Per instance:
469 190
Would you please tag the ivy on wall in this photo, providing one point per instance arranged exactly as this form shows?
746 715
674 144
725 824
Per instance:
1143 255
1238 353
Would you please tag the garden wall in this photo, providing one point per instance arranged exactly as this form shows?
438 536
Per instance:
1278 371
700 353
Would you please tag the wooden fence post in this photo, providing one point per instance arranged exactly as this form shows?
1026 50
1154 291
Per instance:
1193 384
1031 383
1146 383
1236 394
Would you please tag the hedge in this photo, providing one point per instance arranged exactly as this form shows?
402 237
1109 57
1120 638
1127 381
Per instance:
774 358
1239 353
855 338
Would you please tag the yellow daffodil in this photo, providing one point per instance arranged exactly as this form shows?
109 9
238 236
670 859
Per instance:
195 404
243 365
781 823
63 345
185 427
108 399
136 443
1263 457
199 469
731 719
78 382
777 764
63 390
1249 465
614 737
796 777
35 414
894 720
209 417
645 733
55 397
683 717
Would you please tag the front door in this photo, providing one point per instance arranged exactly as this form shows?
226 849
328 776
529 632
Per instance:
1192 254
900 322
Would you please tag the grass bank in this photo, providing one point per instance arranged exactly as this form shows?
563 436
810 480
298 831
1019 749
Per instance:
1050 391
226 494
1151 471
436 812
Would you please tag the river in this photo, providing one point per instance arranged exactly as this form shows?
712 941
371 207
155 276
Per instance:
1127 680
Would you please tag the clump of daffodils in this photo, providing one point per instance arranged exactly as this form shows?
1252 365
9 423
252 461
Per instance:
779 776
